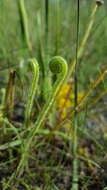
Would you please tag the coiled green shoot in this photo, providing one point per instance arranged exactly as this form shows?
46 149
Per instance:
57 66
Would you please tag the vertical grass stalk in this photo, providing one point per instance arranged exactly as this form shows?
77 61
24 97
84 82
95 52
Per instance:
57 27
24 23
75 140
47 77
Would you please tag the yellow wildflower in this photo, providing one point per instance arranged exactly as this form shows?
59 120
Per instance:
65 99
64 90
62 102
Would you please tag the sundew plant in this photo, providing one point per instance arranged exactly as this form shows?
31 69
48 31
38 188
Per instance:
53 95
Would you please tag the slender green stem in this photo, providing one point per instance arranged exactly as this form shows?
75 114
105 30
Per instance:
75 159
24 23
57 65
47 76
75 140
32 91
58 27
41 52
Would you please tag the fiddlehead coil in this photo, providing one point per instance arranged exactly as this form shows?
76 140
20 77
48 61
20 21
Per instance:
58 65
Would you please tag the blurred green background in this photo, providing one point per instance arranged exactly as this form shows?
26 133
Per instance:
61 33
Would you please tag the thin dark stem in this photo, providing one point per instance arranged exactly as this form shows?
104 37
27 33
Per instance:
77 46
75 141
46 14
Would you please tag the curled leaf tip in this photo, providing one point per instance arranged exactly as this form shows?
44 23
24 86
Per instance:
57 64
